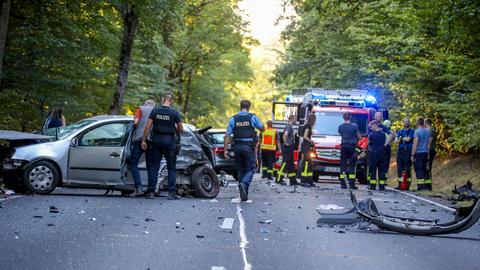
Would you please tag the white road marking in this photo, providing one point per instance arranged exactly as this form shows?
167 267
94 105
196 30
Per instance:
423 199
237 200
227 224
218 268
9 198
243 238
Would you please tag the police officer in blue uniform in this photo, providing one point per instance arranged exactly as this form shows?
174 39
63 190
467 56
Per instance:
165 123
242 126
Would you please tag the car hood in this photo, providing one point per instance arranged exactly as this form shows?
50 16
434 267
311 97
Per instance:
15 135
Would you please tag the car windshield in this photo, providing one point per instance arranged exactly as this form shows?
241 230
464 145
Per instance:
327 122
65 131
217 138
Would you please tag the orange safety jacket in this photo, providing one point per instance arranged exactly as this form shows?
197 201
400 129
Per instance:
269 139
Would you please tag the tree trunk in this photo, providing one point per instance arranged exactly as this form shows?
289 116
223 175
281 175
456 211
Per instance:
4 15
130 23
188 94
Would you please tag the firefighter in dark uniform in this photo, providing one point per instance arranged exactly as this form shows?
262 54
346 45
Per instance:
377 140
288 165
405 143
432 153
306 150
268 144
164 122
348 151
242 126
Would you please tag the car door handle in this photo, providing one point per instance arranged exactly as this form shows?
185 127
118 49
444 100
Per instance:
114 154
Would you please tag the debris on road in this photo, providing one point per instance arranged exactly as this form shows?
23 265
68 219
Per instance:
54 209
177 225
200 236
268 221
38 216
264 231
149 219
329 207
366 212
465 192
92 219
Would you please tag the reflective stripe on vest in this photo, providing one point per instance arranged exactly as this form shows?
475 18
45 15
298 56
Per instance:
269 139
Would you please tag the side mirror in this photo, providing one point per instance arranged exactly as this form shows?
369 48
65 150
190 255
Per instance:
74 142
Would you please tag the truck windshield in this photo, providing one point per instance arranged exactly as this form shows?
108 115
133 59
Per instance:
327 122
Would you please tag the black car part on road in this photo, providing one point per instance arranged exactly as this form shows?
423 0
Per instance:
367 212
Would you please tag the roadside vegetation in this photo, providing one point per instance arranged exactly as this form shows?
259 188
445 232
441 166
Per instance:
420 58
98 57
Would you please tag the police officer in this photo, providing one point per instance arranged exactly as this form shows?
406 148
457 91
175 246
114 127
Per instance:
164 122
140 121
432 153
420 149
288 165
242 126
405 143
268 143
376 155
350 134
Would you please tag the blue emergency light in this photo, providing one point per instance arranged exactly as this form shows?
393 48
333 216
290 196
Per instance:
370 101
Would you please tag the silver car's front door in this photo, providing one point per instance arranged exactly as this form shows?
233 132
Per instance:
98 156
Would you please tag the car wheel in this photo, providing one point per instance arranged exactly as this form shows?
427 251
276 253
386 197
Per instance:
41 177
205 182
362 177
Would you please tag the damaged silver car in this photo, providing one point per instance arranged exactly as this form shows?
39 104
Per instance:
94 153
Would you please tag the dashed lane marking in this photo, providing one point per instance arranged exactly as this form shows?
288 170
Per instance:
227 224
423 199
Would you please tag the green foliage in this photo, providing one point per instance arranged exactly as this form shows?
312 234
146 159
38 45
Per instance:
424 54
66 53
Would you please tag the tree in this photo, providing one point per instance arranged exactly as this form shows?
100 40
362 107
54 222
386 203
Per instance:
4 15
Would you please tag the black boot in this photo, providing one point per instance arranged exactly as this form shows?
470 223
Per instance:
293 181
372 187
381 187
351 183
242 188
343 184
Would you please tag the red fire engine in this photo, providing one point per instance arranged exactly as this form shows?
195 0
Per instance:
328 106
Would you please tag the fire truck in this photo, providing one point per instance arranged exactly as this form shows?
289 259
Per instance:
328 106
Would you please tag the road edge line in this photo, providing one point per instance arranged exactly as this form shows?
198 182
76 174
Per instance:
423 199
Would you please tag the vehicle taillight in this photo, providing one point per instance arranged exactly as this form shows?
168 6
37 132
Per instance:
219 150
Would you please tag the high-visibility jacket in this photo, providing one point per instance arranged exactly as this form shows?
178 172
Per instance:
269 139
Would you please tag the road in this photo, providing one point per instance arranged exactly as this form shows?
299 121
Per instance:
91 231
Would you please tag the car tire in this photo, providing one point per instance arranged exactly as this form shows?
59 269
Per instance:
205 182
362 177
41 177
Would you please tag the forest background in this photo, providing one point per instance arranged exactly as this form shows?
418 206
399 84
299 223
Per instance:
420 58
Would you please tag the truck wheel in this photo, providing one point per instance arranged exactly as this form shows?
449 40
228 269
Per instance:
205 182
42 177
362 177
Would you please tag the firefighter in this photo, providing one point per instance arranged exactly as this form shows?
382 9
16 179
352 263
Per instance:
432 153
377 140
405 142
420 149
306 150
348 151
268 143
164 122
242 126
288 165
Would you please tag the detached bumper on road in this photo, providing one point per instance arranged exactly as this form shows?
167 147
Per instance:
367 211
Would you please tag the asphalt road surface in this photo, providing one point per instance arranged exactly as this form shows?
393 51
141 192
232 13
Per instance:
81 229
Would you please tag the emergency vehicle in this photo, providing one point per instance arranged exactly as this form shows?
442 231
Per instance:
328 106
